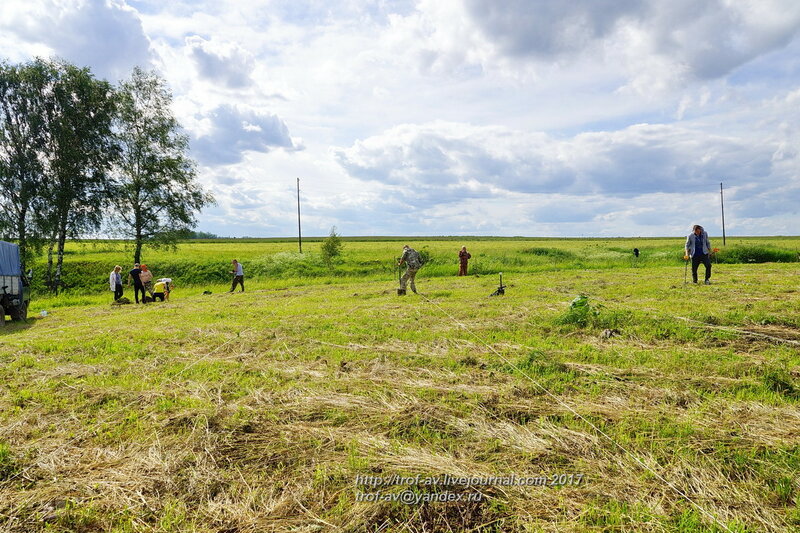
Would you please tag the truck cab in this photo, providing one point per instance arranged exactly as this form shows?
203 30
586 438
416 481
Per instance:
15 292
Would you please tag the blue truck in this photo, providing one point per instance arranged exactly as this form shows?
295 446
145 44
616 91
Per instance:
15 291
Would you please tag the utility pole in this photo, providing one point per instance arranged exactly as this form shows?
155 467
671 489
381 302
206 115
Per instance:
299 237
722 206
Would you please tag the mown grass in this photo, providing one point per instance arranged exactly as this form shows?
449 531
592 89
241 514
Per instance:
255 411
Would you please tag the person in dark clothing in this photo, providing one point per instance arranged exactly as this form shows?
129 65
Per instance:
698 247
138 286
463 257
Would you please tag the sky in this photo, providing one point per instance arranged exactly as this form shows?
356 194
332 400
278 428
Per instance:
462 117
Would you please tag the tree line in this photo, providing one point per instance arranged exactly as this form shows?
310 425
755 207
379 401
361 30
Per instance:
78 154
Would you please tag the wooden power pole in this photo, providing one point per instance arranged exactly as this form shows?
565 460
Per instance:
722 206
299 235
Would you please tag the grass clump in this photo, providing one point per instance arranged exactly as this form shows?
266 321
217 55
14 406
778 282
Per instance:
613 515
8 467
553 253
756 254
580 313
778 380
289 264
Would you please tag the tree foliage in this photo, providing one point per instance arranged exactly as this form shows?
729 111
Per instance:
155 195
74 150
23 141
81 149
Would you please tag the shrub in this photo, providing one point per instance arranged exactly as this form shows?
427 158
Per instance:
424 255
331 247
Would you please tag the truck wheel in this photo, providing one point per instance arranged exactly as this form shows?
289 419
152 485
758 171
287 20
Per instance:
2 317
21 312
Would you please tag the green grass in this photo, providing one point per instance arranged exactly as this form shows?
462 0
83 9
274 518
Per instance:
200 263
256 411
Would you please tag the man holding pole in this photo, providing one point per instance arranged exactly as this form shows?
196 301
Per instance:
413 263
698 247
238 275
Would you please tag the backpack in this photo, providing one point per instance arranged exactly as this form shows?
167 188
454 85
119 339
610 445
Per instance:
413 260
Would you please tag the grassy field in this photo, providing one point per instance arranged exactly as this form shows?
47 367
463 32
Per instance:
657 406
199 263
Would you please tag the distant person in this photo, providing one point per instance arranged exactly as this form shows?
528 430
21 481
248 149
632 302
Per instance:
167 287
413 263
238 275
463 257
115 282
135 276
698 247
147 279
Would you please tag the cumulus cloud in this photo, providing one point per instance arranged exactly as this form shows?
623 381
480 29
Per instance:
760 202
451 156
547 29
654 44
713 38
640 159
229 131
227 63
106 35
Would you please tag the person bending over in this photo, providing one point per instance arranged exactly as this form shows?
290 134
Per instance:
413 263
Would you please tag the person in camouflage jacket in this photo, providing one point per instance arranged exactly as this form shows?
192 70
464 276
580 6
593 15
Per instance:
413 263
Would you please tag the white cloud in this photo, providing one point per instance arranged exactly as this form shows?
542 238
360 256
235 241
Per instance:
227 132
550 29
648 44
104 34
601 117
639 159
225 63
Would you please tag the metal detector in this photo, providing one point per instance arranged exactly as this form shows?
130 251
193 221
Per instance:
685 271
501 290
400 292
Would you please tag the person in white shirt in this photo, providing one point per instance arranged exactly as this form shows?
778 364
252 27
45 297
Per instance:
115 282
238 275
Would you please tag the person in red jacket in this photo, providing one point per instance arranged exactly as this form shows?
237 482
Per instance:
463 257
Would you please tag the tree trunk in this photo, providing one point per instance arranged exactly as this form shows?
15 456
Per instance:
49 275
137 253
22 237
138 224
62 239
